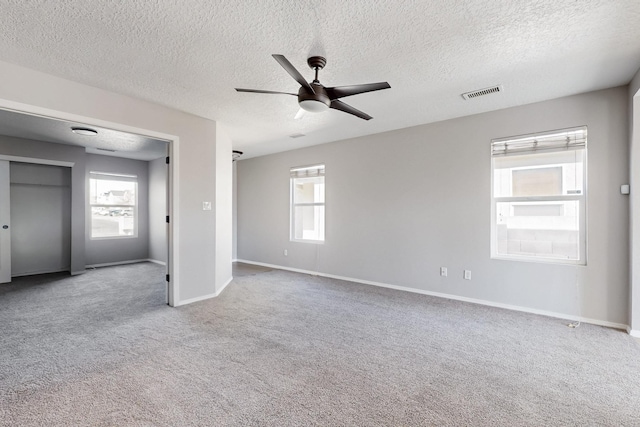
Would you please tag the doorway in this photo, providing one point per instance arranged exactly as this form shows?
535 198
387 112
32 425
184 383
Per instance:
56 148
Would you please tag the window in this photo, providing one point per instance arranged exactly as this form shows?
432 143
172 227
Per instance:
113 202
307 204
539 197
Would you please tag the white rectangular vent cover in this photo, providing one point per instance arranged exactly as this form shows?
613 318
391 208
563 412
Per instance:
483 92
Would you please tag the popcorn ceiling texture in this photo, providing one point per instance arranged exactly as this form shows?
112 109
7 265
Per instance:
191 54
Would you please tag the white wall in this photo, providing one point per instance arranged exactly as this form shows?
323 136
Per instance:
158 210
634 162
401 204
105 251
223 209
193 155
234 213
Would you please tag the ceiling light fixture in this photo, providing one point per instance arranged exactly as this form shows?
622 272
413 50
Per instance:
84 131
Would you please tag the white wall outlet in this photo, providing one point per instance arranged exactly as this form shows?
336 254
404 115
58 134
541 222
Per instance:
286 253
443 271
206 206
467 275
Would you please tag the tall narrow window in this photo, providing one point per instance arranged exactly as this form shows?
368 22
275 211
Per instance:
113 203
307 204
539 197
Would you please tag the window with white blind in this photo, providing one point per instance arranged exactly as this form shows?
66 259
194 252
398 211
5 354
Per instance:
113 203
539 197
307 204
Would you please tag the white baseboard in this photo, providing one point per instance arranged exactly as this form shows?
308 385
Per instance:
224 286
204 297
35 273
452 297
633 332
109 264
155 261
196 299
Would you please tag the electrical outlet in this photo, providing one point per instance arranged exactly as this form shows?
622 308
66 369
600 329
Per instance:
285 252
467 274
443 271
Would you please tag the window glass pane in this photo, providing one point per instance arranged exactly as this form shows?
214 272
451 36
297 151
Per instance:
116 193
113 221
541 229
539 174
308 223
308 190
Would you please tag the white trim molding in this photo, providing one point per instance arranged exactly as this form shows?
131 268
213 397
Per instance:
204 297
109 264
453 297
633 332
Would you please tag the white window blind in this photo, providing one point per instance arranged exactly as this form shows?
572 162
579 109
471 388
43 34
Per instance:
566 139
307 171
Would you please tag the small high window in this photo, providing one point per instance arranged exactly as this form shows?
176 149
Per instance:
307 204
113 203
539 197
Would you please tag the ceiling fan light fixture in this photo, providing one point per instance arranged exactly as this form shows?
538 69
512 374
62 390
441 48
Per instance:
313 106
84 131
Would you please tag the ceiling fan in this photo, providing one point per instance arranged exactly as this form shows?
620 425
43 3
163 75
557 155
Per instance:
314 97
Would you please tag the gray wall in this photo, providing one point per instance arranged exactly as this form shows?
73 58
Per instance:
41 150
104 251
158 210
401 204
40 219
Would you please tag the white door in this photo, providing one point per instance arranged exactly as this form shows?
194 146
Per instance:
5 232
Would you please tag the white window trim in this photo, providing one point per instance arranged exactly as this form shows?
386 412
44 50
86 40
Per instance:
293 205
581 198
106 176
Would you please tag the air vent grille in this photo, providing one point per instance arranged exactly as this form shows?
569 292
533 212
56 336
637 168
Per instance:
483 92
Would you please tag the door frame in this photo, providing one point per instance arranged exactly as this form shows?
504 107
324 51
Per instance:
172 181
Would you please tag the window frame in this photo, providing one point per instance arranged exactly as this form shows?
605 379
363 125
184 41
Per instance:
580 198
293 205
110 176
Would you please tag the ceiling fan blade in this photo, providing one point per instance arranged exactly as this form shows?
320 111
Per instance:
299 114
264 91
342 91
284 62
339 105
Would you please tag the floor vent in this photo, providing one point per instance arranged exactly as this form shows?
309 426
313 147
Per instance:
483 92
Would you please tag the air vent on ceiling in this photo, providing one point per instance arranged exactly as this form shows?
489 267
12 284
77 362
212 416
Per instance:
106 149
297 135
483 92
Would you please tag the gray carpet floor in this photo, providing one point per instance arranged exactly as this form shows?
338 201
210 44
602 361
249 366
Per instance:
286 349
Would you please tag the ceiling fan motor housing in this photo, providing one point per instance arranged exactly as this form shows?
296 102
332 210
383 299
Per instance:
314 102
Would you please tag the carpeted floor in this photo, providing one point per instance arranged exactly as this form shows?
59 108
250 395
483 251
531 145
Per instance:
280 349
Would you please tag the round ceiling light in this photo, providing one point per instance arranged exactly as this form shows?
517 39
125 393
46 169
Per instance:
313 106
84 131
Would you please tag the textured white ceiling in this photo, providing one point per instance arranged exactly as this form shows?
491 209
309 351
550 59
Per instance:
46 129
190 54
